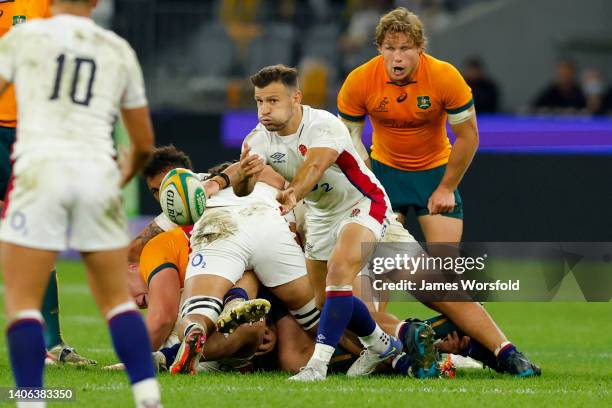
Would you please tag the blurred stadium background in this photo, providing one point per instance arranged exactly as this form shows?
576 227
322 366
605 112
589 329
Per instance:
543 163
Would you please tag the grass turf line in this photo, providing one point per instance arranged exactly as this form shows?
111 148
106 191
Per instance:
571 341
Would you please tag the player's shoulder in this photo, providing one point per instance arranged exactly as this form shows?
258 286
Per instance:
258 135
164 239
438 66
320 120
368 68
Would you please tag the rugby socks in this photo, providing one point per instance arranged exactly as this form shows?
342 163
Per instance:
234 294
27 348
363 325
335 317
132 344
361 322
170 353
50 312
478 352
504 350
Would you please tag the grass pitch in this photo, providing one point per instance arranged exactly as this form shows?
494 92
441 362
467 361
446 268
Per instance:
572 342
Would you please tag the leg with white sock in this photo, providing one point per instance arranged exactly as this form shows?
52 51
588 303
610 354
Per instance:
24 291
106 272
342 309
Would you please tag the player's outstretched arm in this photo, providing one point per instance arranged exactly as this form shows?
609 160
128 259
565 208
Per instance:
250 169
318 159
138 124
442 199
138 243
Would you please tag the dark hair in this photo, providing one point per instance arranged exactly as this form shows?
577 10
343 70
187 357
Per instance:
218 168
164 158
275 73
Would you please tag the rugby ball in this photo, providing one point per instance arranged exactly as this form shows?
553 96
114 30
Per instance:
182 197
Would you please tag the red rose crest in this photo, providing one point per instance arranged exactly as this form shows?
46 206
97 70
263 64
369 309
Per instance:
303 149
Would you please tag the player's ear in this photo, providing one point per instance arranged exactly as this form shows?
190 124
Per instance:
297 96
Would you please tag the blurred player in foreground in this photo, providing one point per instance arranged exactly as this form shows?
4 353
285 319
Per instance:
71 79
14 13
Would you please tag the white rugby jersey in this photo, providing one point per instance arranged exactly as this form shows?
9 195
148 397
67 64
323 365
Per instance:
343 184
71 77
263 194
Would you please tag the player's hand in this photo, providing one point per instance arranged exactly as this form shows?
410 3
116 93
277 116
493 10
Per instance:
251 165
452 343
211 187
287 200
125 166
441 201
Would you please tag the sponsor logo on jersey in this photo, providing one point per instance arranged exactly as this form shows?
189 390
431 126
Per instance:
382 105
278 157
423 102
402 97
303 149
19 20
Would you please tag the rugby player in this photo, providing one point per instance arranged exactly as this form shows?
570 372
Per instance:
288 281
345 207
409 96
14 13
71 80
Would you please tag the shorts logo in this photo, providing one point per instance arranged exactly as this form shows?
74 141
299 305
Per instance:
382 105
18 220
423 102
303 149
278 157
321 338
402 97
355 212
19 20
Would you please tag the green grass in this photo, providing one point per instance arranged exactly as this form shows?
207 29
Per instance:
571 341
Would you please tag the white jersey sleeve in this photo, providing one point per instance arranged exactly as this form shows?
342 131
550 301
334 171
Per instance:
164 222
134 95
258 142
8 46
328 134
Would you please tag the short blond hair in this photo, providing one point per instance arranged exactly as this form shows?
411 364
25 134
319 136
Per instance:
401 20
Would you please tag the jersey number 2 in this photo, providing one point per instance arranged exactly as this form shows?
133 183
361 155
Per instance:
76 79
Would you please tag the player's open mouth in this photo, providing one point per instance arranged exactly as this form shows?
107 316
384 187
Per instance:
398 70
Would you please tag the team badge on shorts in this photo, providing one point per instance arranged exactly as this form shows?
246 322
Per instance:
355 212
423 102
303 149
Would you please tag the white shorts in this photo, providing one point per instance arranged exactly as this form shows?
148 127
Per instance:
395 233
322 233
226 241
55 204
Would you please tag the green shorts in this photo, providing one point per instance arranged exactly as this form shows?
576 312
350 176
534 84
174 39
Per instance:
7 138
408 189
